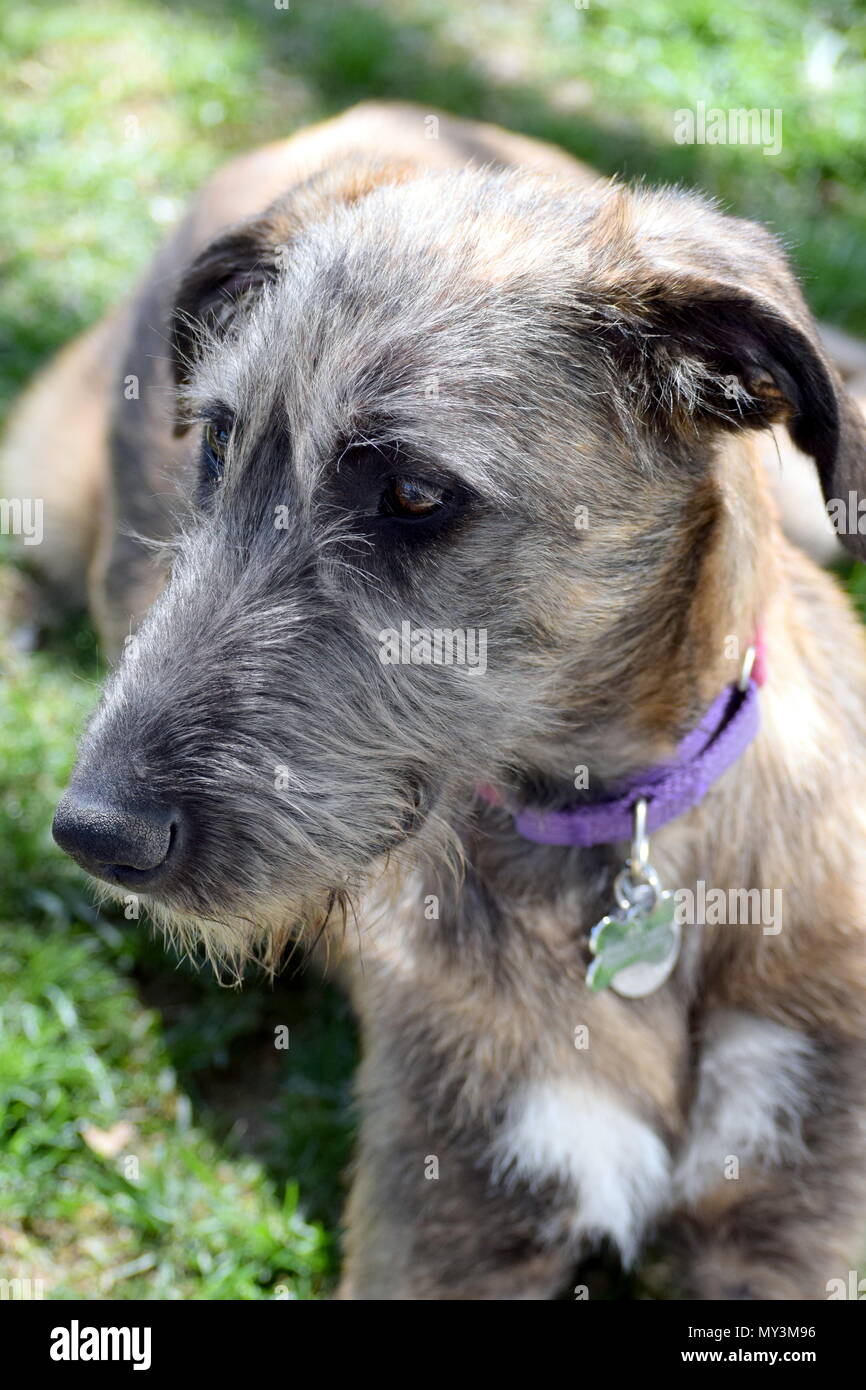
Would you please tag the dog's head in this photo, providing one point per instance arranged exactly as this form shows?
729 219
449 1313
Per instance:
459 477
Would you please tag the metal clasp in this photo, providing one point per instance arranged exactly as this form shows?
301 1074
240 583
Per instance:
637 881
746 669
639 840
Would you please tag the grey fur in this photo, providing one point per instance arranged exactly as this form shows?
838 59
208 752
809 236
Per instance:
535 347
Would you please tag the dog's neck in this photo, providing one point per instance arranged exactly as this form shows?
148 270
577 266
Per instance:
667 790
651 690
740 587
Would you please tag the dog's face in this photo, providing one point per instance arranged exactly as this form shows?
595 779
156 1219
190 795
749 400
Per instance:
453 500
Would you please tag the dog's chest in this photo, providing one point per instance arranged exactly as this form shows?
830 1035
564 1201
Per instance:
615 1165
752 1092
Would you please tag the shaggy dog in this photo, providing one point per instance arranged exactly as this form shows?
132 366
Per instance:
418 489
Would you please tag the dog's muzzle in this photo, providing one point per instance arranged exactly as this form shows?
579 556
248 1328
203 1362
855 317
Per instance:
134 846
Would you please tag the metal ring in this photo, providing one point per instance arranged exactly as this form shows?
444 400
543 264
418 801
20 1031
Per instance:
626 886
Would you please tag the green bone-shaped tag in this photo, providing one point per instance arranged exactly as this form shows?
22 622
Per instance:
641 935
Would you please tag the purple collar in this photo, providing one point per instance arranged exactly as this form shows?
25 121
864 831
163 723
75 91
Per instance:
670 789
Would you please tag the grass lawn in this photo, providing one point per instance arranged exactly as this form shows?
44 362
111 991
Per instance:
153 1138
154 1141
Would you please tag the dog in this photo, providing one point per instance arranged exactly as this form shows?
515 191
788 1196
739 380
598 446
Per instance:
418 492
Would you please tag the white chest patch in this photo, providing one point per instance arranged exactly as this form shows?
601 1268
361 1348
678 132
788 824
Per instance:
752 1092
576 1133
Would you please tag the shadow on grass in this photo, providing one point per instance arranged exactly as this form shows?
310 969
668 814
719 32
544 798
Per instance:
268 1068
337 55
360 51
367 49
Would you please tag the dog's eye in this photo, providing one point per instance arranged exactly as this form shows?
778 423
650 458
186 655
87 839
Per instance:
412 499
216 440
217 437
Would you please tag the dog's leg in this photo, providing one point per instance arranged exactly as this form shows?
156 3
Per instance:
772 1174
493 1156
427 1219
431 1215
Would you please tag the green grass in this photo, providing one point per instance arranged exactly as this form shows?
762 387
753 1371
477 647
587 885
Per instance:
201 1200
112 114
114 111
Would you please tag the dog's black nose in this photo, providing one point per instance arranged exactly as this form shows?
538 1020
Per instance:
127 845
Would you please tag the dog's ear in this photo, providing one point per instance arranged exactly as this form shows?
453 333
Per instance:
237 266
230 270
707 319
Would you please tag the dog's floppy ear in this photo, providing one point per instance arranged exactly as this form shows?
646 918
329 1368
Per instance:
709 318
237 266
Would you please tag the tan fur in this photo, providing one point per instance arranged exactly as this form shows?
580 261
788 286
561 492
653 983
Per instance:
469 1018
55 449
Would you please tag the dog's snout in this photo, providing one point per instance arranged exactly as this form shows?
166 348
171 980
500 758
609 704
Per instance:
128 845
